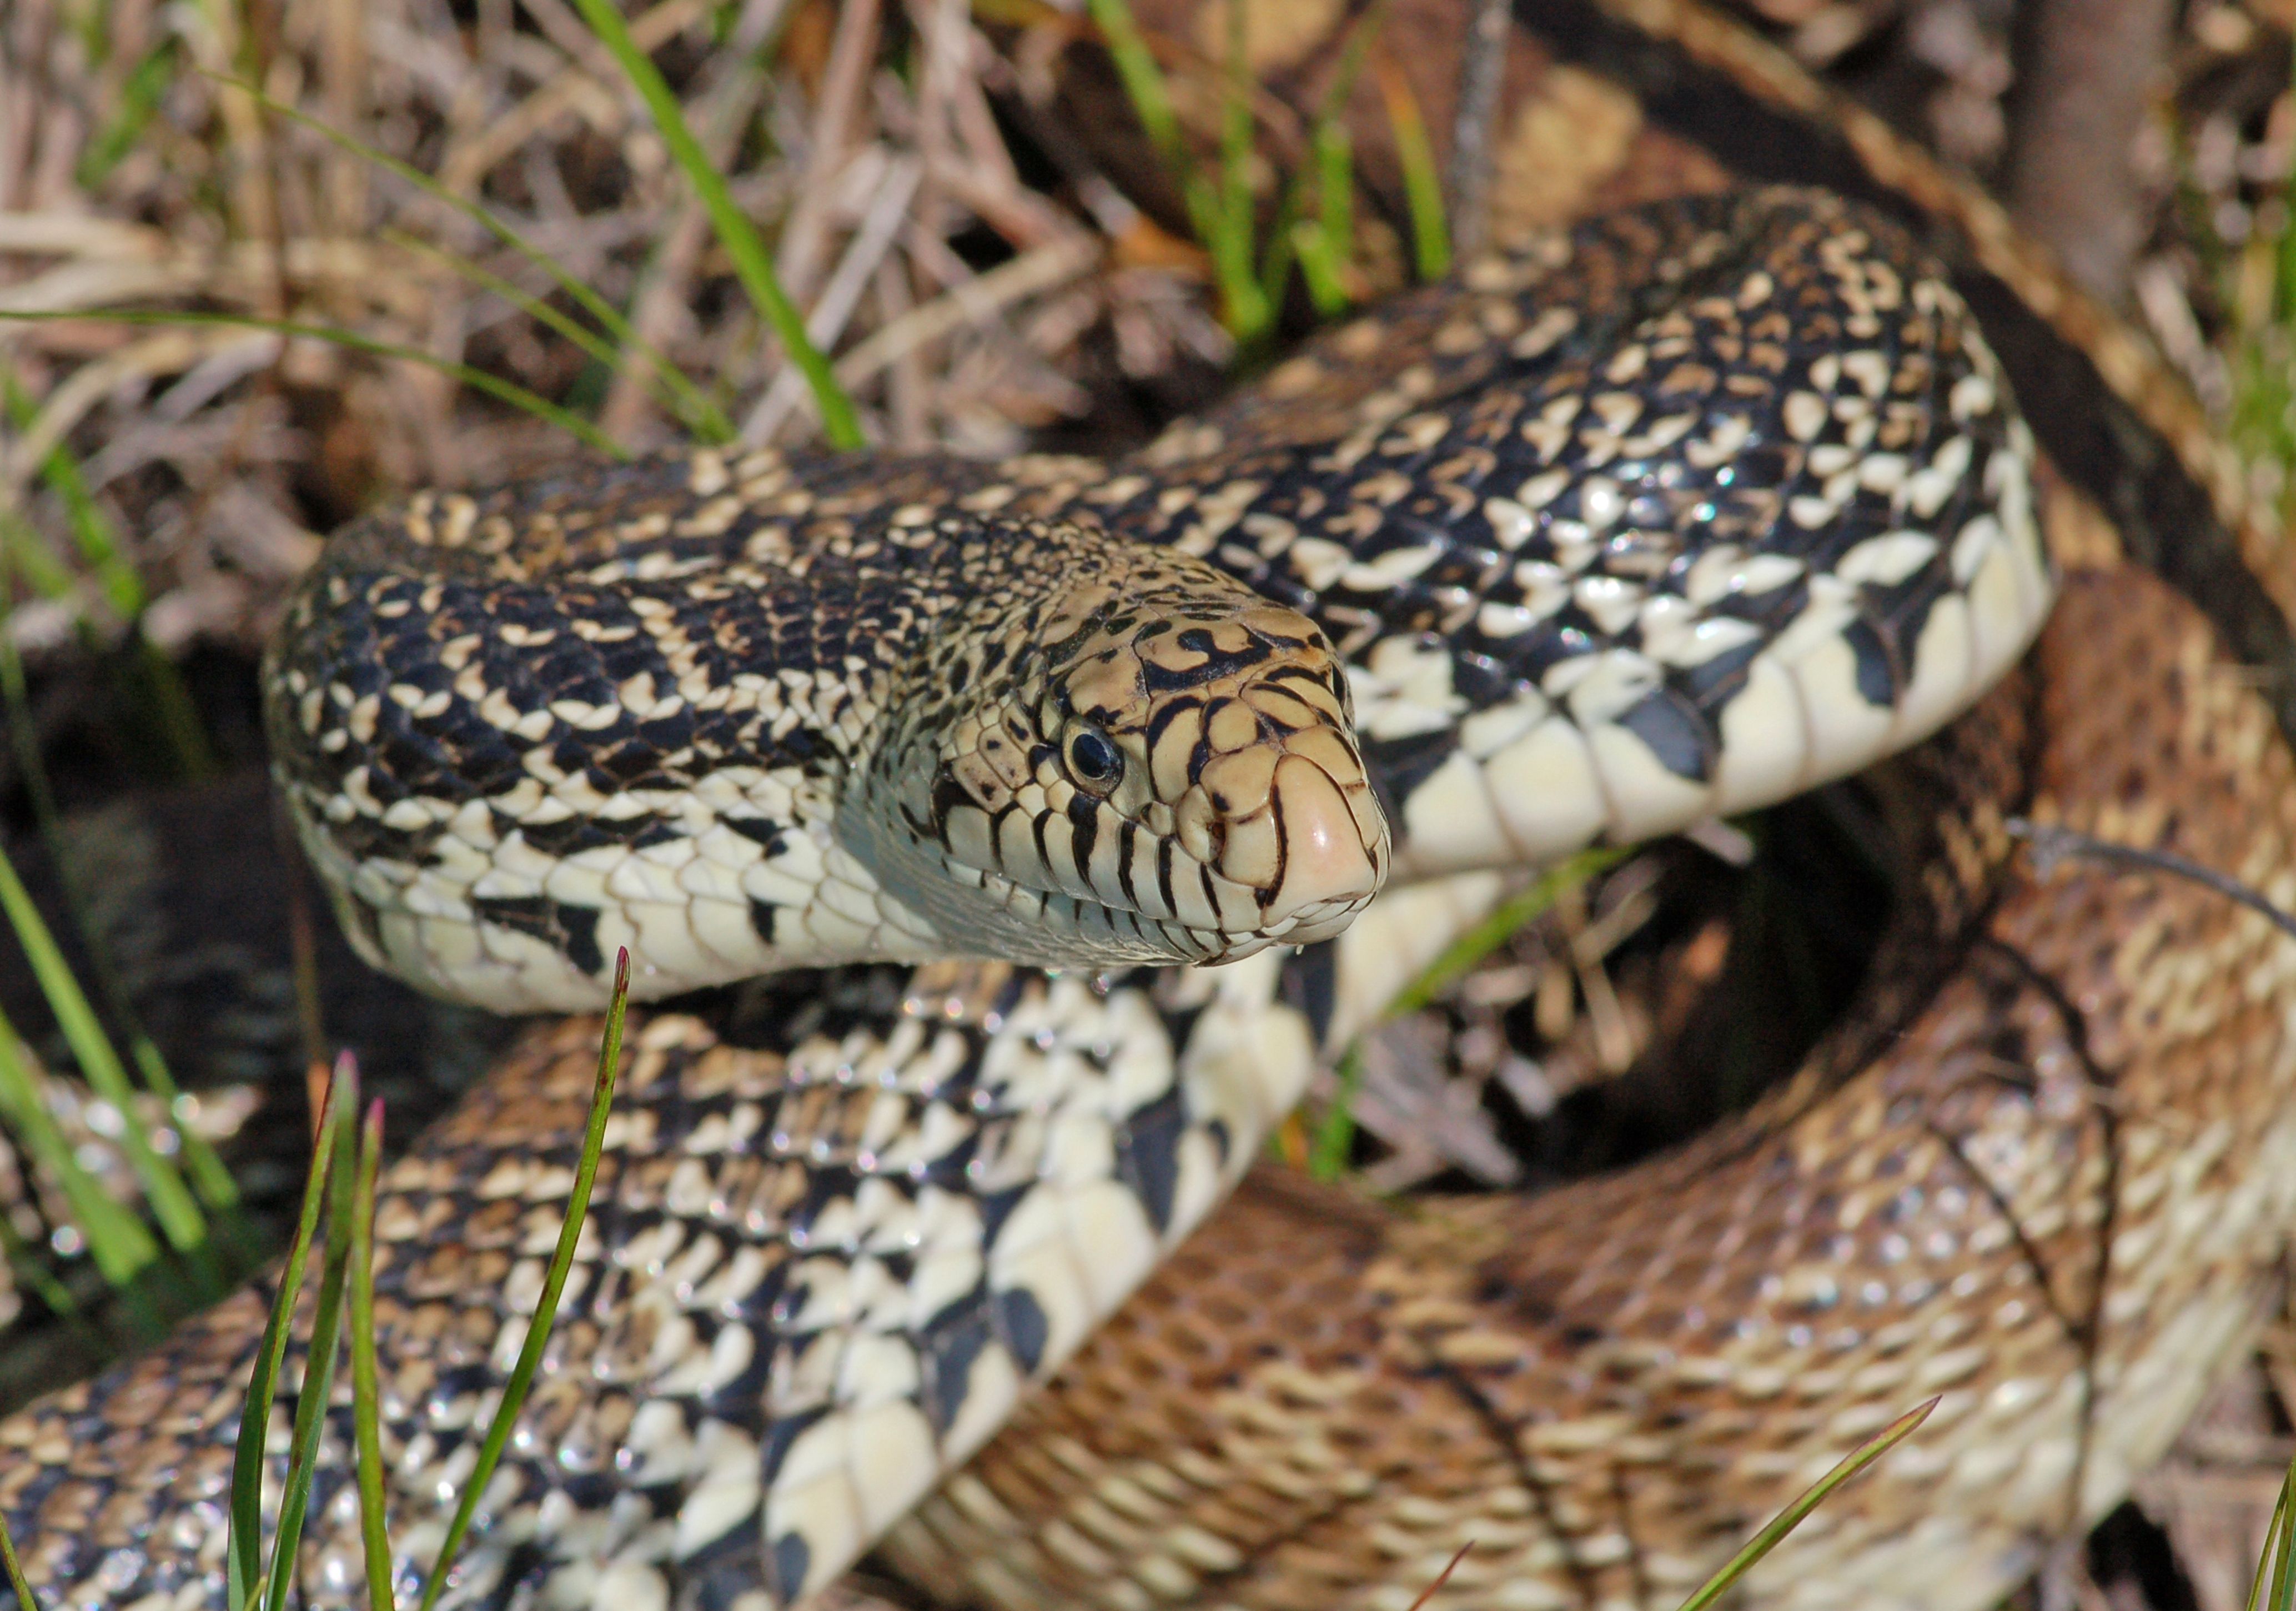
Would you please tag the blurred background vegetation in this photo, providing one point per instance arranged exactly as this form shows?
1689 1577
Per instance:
263 263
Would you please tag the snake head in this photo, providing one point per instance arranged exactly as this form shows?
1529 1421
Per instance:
1149 763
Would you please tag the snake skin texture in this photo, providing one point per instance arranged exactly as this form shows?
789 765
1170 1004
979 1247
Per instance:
840 1233
1681 512
628 710
1313 1404
2055 1195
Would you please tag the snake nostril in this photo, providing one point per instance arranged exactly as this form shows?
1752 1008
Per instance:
1197 827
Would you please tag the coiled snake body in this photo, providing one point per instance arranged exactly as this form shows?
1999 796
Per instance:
1670 514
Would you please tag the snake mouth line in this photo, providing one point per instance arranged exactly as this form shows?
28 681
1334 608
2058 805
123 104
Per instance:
1166 940
1270 842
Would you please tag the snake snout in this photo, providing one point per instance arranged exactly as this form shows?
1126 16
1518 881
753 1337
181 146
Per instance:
1296 824
1334 850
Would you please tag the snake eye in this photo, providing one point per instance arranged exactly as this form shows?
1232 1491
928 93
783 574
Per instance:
1093 762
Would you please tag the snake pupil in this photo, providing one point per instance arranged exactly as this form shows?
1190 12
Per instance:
1093 759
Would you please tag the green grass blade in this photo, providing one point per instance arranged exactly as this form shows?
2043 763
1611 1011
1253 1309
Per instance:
1325 244
2283 1580
1331 117
177 718
2288 224
15 1569
244 1548
1143 85
92 530
1335 1137
337 1141
171 1201
2281 430
1335 225
117 1240
123 589
740 239
588 341
1768 1539
139 98
366 1392
1462 955
1327 1156
1247 309
15 694
27 1268
209 1178
683 399
1152 103
2274 1532
478 380
1422 186
1319 267
600 350
2275 1585
49 576
1322 245
553 1285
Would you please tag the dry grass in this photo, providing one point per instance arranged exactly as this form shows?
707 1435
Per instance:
967 303
965 307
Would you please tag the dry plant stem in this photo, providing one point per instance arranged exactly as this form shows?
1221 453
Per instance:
983 177
167 352
1435 1588
965 167
1482 70
904 380
344 63
662 301
493 139
942 25
970 303
2088 75
805 237
217 45
660 305
565 30
839 299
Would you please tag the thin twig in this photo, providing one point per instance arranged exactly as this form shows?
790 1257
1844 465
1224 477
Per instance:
2052 844
1482 70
